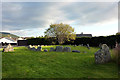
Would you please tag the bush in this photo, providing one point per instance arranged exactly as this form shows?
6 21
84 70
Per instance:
116 54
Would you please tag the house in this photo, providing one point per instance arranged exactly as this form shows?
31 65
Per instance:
20 38
21 41
7 40
83 35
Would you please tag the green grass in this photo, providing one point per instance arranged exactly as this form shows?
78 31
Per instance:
23 63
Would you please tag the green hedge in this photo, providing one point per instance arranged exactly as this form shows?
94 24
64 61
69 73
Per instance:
94 41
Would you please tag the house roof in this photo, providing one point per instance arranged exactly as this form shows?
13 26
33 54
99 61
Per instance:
83 35
7 40
20 38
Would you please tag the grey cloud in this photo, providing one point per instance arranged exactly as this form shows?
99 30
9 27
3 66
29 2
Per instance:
22 18
91 13
29 15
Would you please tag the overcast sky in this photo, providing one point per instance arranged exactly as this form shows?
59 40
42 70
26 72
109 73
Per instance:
33 18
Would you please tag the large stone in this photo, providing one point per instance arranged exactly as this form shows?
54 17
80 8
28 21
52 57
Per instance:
59 48
52 49
107 52
9 48
103 55
39 48
76 51
66 49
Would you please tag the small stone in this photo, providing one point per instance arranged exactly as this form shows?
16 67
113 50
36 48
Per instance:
52 49
45 50
76 51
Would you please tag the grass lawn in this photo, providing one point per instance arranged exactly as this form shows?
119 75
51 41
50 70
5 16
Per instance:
23 63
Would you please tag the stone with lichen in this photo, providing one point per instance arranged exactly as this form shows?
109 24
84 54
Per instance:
102 55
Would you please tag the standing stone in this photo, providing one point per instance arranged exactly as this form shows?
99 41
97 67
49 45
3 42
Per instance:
103 55
9 48
45 50
88 46
107 52
52 49
66 49
59 48
99 58
39 48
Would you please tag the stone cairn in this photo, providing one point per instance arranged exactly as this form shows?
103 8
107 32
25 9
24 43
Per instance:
102 55
9 48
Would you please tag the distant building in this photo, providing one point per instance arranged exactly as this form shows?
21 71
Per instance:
20 38
7 40
83 35
22 41
26 37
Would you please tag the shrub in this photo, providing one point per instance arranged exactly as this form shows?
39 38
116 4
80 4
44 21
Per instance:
116 53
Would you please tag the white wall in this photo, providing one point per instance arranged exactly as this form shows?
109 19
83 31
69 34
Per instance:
7 40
